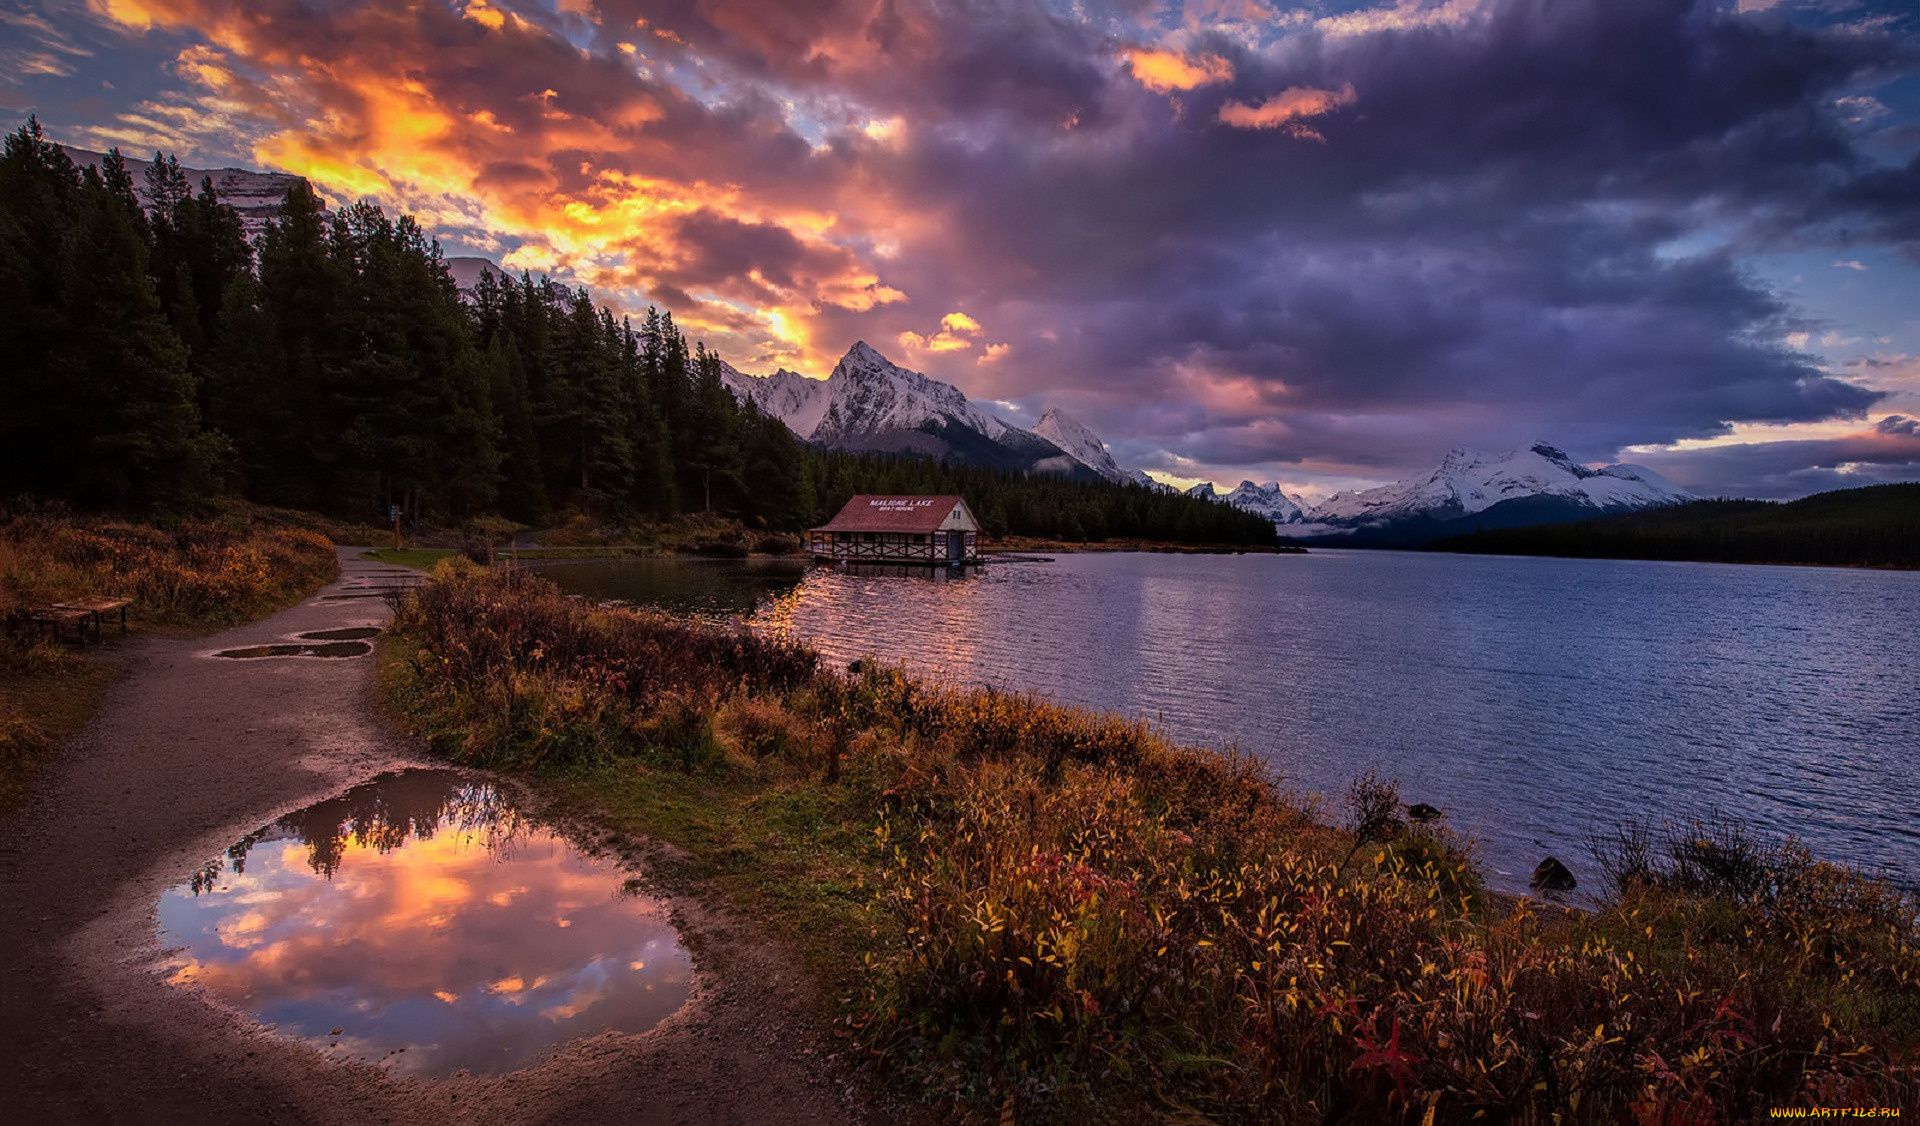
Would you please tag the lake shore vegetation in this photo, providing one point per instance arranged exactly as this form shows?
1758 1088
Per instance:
1030 912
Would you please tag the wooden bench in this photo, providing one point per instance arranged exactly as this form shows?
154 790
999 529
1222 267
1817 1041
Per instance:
56 619
83 613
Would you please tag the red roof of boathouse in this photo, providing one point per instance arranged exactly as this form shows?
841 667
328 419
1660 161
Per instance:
868 513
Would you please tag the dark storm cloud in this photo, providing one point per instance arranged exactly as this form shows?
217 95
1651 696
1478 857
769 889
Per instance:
941 62
1478 238
1889 200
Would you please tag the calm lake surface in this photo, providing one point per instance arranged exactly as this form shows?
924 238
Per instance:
1536 700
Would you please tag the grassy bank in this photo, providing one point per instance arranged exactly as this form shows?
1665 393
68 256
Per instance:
1032 912
195 576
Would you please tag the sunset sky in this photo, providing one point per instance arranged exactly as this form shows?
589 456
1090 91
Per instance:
1321 242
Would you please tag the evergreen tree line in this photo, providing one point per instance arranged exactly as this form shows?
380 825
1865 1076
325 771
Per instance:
155 357
1876 526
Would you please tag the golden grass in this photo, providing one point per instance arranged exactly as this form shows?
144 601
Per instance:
197 574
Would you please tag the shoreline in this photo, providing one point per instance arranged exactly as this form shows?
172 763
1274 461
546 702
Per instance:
1001 819
1006 544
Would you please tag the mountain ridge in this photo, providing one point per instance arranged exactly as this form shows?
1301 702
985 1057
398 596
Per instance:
869 404
1535 484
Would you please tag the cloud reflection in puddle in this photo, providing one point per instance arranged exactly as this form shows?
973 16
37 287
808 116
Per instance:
425 918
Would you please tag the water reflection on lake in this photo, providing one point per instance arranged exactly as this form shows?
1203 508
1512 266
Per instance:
422 922
1536 700
682 585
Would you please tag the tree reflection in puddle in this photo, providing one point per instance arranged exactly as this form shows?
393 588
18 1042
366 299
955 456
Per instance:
423 922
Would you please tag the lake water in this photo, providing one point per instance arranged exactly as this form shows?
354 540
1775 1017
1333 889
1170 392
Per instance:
1536 700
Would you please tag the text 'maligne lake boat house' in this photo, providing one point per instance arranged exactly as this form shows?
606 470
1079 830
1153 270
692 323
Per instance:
876 529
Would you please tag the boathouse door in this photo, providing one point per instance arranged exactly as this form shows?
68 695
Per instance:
956 547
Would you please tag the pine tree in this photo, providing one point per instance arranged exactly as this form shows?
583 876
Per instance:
522 493
39 189
130 416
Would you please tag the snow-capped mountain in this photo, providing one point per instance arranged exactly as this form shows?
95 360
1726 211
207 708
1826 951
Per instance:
870 397
1080 444
872 405
1266 500
1468 483
786 395
256 196
1539 484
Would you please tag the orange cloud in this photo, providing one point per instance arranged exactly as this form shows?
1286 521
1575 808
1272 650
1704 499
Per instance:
956 334
1286 109
496 131
1166 71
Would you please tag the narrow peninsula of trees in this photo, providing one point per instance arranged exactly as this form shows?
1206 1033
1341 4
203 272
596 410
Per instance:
1875 526
157 357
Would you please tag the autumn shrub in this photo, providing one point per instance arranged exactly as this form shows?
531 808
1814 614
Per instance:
761 729
541 679
1074 919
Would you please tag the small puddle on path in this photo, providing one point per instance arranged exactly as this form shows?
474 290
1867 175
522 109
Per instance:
355 634
422 922
324 649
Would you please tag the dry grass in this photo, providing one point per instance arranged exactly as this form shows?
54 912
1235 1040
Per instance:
1063 917
197 574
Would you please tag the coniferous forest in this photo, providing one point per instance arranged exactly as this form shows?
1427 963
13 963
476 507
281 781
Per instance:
155 358
1872 526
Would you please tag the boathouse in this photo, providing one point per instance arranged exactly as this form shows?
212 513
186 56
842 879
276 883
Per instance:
876 529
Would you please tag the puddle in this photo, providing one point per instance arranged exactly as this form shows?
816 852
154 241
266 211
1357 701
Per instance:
356 634
325 649
421 922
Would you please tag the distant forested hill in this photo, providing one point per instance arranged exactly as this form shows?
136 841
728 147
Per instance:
154 356
1876 526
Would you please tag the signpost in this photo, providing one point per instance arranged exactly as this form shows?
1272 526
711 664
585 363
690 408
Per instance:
393 514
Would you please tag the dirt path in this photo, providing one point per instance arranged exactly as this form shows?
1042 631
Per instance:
188 753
